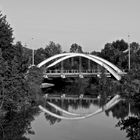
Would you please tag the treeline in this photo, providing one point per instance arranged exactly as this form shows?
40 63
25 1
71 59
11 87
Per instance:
115 52
16 88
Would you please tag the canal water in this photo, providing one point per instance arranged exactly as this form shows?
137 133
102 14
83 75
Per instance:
102 126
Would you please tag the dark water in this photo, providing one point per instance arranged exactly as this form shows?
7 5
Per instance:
121 122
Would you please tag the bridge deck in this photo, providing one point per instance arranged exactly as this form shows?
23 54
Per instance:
74 73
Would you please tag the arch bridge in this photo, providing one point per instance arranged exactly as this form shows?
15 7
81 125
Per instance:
51 63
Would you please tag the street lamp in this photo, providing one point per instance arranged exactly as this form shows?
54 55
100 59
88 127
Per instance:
129 67
33 55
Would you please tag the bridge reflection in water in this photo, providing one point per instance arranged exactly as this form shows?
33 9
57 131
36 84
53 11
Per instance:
59 110
68 98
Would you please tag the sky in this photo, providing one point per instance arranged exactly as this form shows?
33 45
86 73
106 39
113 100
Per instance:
89 23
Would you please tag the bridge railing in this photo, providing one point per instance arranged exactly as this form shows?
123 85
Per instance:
73 71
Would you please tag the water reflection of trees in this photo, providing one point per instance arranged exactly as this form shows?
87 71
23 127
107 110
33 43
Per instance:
16 125
131 125
120 111
75 103
52 120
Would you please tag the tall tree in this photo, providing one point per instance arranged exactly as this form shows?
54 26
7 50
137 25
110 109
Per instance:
135 55
76 48
52 49
134 47
3 76
23 57
16 86
6 37
40 55
113 52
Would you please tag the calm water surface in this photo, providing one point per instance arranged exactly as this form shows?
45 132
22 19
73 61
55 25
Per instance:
99 127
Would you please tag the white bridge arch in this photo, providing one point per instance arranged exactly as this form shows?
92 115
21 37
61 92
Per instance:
115 71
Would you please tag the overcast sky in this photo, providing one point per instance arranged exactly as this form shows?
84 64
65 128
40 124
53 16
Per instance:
89 23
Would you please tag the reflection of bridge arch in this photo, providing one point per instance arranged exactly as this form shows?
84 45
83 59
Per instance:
115 71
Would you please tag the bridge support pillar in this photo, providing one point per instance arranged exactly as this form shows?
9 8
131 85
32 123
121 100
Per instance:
89 65
80 65
72 62
62 67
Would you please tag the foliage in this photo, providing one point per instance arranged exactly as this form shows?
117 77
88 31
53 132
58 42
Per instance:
96 53
117 53
6 33
52 49
40 55
131 125
131 86
16 124
76 48
14 91
35 75
113 52
22 57
6 38
16 88
3 77
135 55
34 78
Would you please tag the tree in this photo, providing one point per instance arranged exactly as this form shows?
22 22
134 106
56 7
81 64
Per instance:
135 55
96 53
134 47
76 48
120 45
131 125
40 55
3 74
23 57
113 52
6 38
52 49
15 125
16 86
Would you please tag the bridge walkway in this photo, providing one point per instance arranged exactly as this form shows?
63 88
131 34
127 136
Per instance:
74 73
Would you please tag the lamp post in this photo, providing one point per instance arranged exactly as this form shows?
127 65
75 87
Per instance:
129 67
33 55
29 43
